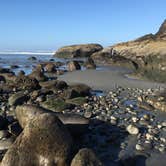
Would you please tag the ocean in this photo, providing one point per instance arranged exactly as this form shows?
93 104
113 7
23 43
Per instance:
21 60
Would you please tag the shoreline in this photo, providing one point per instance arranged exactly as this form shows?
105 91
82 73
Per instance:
109 79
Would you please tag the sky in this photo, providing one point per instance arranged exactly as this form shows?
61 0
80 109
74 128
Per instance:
49 24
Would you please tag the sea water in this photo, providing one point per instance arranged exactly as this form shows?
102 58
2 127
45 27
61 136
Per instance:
21 60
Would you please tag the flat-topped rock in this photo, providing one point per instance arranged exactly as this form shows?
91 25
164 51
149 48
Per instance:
74 51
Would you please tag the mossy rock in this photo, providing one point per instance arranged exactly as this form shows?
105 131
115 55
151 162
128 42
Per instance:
77 101
56 104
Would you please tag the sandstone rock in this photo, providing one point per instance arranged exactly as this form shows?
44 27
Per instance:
90 64
81 89
25 82
73 65
73 51
54 84
70 93
38 75
18 98
21 73
9 77
44 141
86 157
50 67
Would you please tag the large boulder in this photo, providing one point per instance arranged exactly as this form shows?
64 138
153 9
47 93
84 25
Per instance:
86 157
18 98
39 75
50 67
54 84
25 113
81 89
25 82
73 65
9 77
74 51
44 141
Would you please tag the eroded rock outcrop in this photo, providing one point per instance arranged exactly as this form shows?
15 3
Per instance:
74 51
147 53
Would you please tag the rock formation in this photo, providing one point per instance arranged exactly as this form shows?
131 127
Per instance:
148 54
74 51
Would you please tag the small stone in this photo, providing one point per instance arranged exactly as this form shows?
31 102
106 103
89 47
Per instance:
134 119
139 147
163 124
149 136
113 121
161 149
163 140
132 129
40 99
146 117
87 114
143 122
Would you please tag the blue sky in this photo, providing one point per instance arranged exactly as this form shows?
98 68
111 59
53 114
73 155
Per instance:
48 24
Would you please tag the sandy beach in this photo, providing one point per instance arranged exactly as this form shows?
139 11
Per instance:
108 79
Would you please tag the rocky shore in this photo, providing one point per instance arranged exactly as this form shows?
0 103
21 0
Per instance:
46 121
145 55
53 115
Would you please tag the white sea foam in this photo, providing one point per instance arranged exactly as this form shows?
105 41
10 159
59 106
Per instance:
29 53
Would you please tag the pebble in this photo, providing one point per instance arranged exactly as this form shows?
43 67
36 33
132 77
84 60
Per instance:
139 147
161 149
132 129
88 114
149 136
135 119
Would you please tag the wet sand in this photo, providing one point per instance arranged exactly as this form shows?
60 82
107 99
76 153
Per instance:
108 79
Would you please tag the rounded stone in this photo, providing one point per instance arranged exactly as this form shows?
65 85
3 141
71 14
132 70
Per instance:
132 129
139 147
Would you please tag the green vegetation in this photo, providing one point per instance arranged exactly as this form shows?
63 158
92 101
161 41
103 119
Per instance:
57 105
77 100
